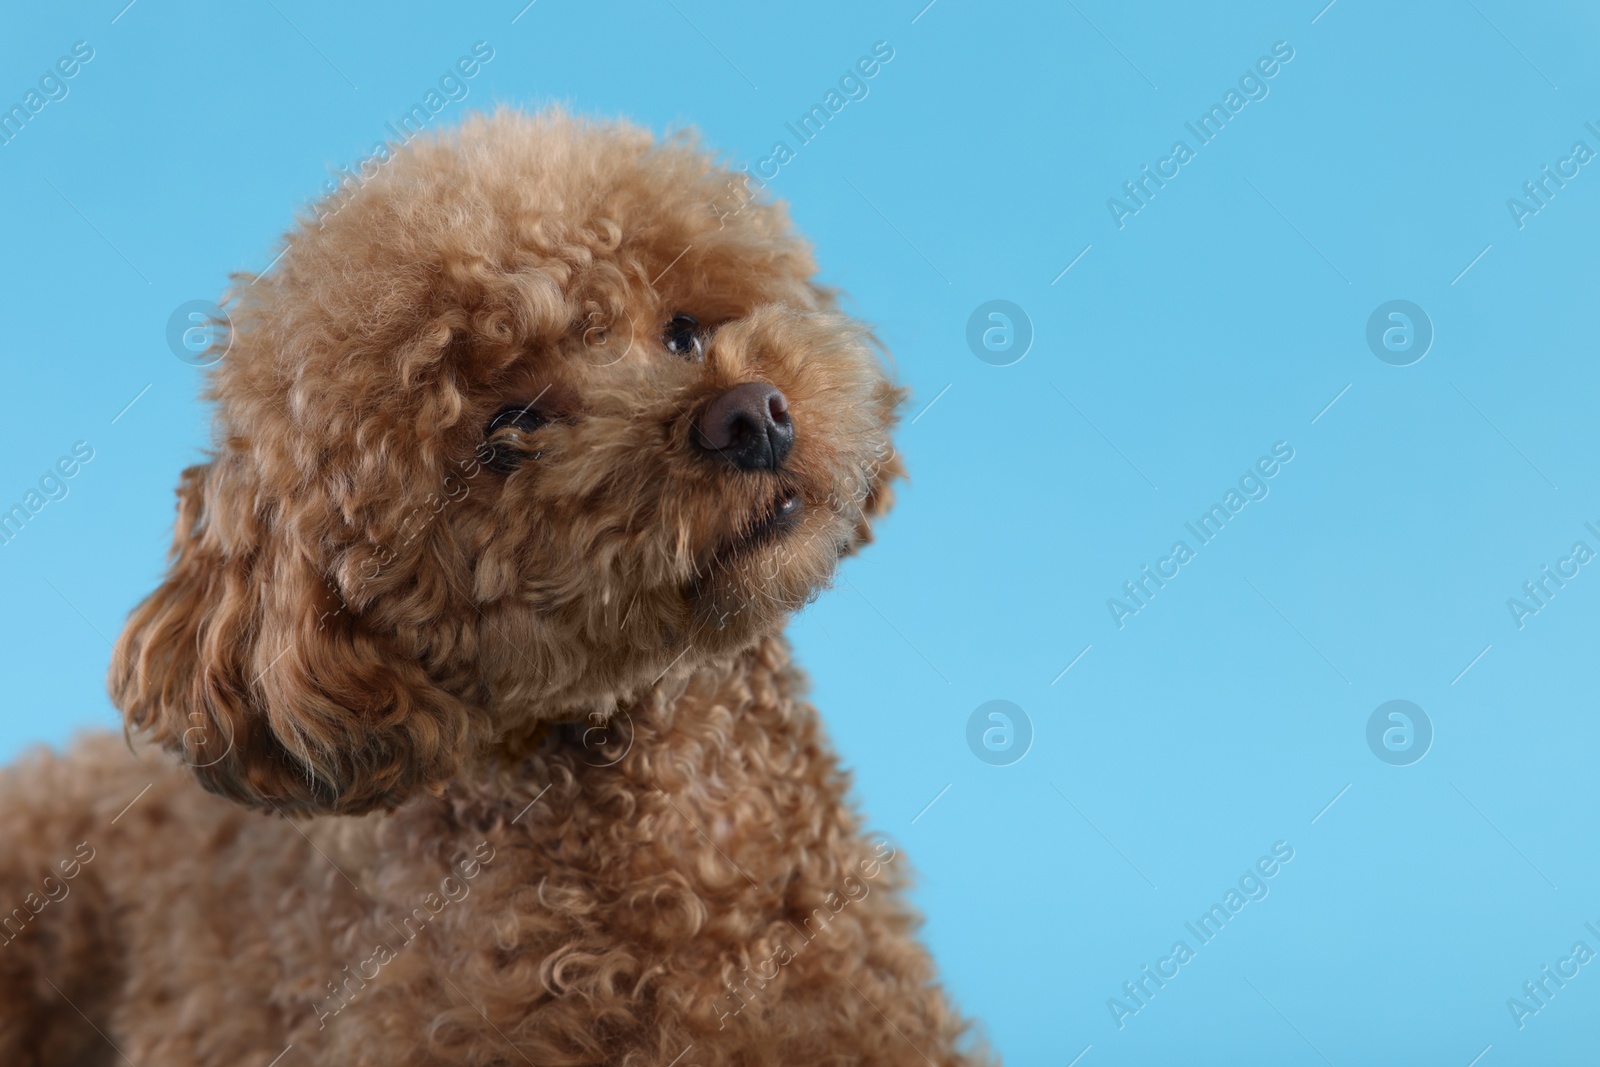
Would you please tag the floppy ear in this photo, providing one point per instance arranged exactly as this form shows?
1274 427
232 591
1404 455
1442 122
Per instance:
245 664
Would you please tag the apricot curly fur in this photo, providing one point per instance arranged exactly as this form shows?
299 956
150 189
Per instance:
503 758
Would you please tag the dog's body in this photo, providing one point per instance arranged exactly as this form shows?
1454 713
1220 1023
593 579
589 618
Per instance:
533 776
707 896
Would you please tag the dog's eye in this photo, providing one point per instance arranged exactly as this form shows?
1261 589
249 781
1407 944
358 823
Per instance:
508 439
683 337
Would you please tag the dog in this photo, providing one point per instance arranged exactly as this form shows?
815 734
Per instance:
462 726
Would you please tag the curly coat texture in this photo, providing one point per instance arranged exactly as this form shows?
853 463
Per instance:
491 642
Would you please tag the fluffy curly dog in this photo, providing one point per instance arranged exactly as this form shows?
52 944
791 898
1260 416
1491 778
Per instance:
523 456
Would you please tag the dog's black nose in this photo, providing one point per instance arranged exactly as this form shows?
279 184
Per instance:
749 425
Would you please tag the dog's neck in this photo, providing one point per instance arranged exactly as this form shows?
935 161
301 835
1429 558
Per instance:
601 736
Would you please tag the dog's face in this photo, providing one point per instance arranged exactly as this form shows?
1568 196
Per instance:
537 416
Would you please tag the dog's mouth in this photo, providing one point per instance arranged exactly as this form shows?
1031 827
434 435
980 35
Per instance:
780 516
772 562
764 527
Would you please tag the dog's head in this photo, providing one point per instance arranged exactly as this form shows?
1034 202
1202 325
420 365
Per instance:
528 417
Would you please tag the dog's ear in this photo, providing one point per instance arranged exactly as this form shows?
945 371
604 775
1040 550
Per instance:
245 664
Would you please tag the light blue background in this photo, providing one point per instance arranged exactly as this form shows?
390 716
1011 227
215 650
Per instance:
1224 317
